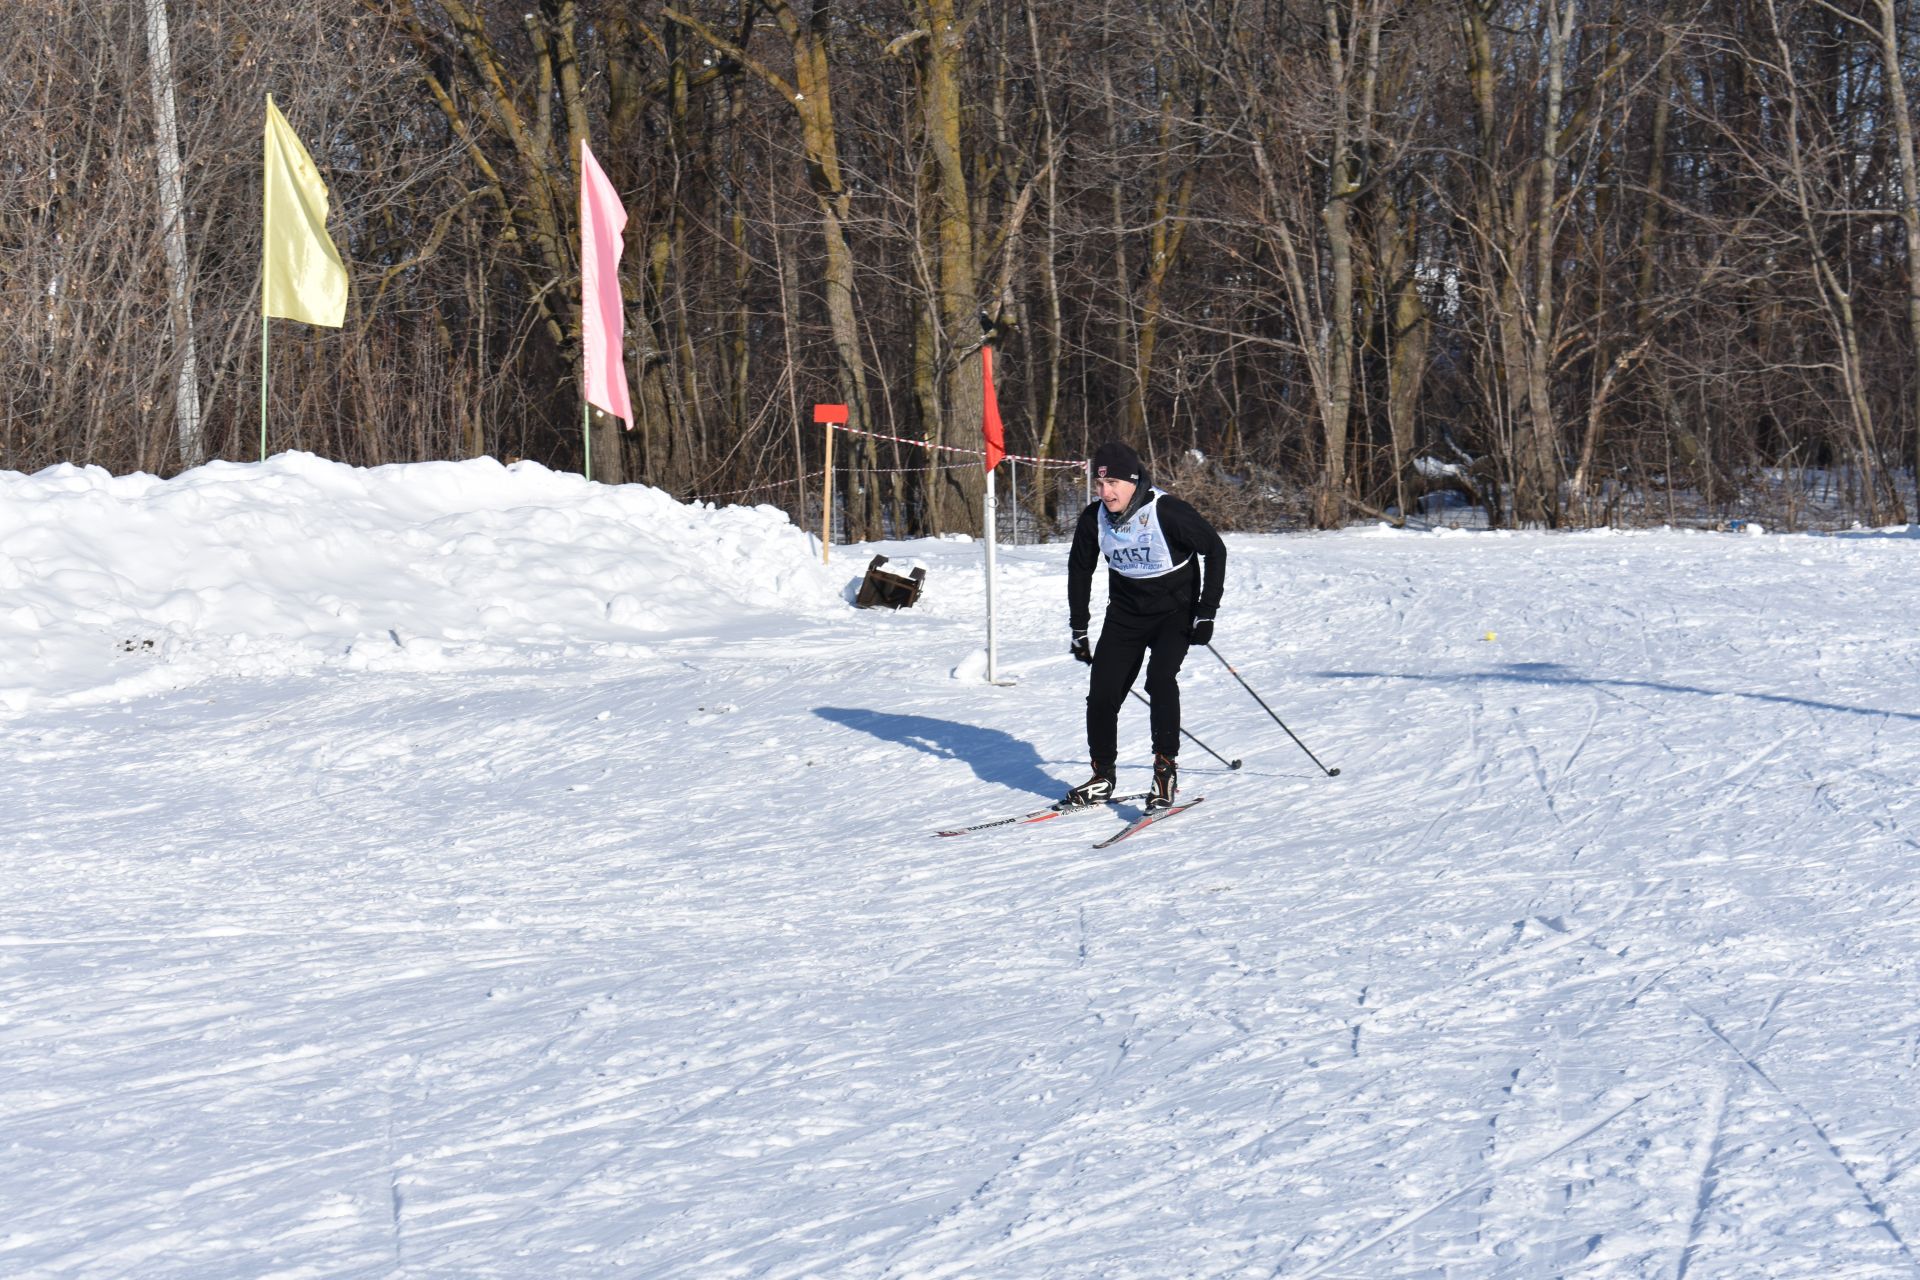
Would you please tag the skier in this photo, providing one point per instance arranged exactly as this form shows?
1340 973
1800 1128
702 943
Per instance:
1157 600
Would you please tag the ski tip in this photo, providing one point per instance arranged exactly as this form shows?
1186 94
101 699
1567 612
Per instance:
1146 820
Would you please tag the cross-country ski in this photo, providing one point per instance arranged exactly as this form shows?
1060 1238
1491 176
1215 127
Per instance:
1147 819
1047 814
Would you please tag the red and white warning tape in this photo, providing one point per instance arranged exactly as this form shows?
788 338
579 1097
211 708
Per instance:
1080 463
759 488
1073 464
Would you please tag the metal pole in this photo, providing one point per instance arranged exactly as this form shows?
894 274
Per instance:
263 374
992 650
1331 773
266 238
1013 483
1231 764
586 436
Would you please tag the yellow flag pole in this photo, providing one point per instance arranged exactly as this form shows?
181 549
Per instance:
264 326
266 322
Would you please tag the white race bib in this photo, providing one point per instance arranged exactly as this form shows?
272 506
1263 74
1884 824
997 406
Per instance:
1138 549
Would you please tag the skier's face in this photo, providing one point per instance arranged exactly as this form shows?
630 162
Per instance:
1115 494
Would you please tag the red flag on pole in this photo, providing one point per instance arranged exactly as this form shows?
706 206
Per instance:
996 435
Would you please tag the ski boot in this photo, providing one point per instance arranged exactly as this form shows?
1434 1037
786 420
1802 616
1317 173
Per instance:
1095 790
1166 783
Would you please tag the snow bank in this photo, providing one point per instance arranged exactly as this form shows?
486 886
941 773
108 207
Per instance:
114 586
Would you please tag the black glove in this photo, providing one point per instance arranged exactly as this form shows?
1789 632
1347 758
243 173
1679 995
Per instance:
1201 633
1081 649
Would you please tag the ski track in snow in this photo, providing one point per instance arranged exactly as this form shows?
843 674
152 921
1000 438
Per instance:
1597 960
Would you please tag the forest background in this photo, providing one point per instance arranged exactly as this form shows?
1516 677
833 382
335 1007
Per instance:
1574 261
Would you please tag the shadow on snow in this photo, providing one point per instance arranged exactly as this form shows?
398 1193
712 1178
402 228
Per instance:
1552 673
995 756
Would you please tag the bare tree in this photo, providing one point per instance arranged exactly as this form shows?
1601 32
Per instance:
1831 274
1670 253
174 230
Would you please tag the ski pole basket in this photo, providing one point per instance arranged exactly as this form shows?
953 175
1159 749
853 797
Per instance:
881 589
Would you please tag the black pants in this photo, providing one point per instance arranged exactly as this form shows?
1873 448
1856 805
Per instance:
1124 641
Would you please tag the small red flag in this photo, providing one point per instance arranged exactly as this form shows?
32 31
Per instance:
996 435
830 414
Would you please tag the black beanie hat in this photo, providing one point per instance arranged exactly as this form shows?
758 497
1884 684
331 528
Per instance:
1116 461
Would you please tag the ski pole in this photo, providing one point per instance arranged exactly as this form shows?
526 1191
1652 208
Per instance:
1331 773
1231 764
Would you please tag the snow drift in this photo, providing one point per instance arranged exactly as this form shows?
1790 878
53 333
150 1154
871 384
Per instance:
114 586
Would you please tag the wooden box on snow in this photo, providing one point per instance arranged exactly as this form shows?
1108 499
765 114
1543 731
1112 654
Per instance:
880 589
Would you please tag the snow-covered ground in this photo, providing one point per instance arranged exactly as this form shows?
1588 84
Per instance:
458 871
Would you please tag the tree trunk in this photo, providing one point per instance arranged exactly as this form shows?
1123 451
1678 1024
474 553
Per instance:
942 61
1331 498
1834 293
810 95
166 147
1540 451
1047 421
1409 334
1172 199
1902 120
1646 248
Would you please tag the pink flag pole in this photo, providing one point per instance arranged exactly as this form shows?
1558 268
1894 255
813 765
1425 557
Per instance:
603 327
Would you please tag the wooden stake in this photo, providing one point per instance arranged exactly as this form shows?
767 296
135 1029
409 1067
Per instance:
828 416
826 501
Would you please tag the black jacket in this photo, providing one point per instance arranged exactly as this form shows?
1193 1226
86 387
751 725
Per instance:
1188 535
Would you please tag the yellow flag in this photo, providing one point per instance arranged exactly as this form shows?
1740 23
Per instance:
303 277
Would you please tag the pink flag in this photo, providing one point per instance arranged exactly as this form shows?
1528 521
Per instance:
603 322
